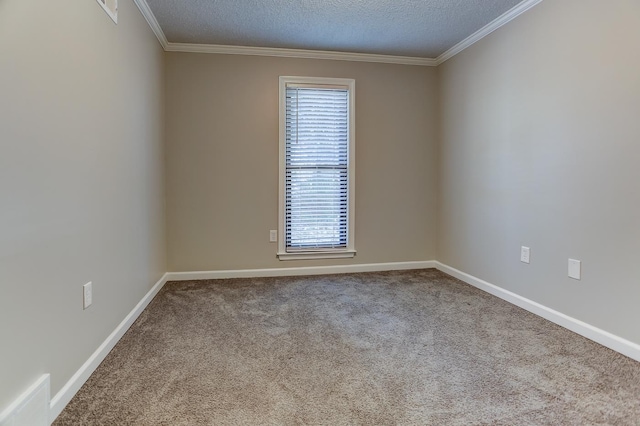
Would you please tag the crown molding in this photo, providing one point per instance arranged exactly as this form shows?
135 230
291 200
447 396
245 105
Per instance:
503 19
299 53
152 21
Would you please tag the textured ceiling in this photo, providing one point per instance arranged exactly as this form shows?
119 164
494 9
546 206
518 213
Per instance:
421 28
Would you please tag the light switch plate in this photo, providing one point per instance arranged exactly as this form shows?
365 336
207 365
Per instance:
574 269
273 236
525 254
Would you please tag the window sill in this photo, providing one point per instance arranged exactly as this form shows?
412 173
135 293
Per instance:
317 255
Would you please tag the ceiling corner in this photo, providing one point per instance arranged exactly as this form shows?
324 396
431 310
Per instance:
500 21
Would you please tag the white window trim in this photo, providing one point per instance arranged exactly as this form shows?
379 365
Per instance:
350 250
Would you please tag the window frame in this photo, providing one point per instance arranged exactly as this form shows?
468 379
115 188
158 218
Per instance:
328 253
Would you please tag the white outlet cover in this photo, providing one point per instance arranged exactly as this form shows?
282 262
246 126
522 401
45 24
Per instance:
575 269
87 296
273 236
525 254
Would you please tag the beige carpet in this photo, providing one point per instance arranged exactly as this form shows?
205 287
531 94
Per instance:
393 348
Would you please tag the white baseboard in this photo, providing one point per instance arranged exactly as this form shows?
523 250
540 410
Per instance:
611 341
31 408
62 398
310 270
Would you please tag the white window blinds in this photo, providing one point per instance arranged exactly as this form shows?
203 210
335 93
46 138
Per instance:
316 168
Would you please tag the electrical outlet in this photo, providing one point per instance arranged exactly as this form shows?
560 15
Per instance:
87 295
574 269
273 236
525 254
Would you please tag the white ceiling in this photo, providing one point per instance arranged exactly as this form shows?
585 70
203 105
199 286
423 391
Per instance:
417 28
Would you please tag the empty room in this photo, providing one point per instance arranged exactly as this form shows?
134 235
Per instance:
383 212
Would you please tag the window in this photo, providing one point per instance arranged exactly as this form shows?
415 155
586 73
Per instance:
316 202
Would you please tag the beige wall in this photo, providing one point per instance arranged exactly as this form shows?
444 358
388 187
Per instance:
222 159
81 181
540 147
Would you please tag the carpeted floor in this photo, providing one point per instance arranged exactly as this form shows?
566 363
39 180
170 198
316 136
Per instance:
391 348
